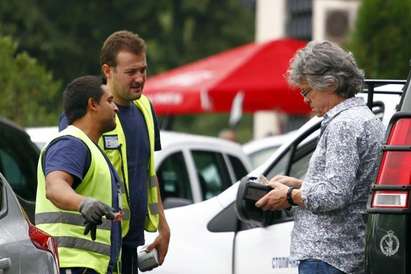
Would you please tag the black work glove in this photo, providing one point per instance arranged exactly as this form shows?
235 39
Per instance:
92 228
92 211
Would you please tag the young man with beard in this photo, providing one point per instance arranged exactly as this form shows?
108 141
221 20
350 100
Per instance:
131 145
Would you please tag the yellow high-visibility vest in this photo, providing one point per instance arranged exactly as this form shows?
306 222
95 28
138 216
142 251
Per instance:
114 145
74 248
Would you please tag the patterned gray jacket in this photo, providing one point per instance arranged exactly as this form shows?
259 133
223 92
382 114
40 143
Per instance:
342 168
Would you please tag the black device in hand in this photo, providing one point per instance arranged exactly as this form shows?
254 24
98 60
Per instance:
255 191
249 192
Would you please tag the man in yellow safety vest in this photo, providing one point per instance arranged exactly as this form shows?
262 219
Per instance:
78 186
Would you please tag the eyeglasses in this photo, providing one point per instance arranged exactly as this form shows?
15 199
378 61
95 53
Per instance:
304 92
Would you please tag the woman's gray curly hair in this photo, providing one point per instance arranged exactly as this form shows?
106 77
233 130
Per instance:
324 65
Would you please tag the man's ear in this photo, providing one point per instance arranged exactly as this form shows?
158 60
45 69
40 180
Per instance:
106 69
92 104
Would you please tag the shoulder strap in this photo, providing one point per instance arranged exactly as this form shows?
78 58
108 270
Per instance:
43 154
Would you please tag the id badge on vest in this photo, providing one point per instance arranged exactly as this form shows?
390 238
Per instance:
111 142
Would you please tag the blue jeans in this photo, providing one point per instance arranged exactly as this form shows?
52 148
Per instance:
316 267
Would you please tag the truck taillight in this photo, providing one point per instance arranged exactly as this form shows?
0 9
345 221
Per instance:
390 199
395 168
391 189
44 241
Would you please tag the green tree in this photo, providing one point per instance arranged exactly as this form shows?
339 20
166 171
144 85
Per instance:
381 39
66 36
190 30
212 123
27 89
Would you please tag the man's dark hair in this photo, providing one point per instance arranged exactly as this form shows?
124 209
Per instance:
118 41
77 93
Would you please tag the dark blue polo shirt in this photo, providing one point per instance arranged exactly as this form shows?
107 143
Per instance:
138 158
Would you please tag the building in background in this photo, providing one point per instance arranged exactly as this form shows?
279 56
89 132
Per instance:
333 19
301 19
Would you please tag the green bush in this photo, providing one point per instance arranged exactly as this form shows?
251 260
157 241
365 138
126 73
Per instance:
381 39
27 89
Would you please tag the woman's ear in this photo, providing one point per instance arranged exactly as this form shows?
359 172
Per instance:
332 82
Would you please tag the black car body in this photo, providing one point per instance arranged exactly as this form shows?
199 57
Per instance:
18 164
388 244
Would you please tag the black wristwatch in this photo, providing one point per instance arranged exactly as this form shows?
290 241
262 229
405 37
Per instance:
289 197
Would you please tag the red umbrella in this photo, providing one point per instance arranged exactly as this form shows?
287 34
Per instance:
256 71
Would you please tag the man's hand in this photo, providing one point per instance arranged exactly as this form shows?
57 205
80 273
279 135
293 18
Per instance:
92 211
163 239
275 199
286 180
92 228
161 243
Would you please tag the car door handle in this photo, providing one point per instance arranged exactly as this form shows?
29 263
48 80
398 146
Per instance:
4 264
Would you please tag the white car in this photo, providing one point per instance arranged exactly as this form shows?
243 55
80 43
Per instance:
208 237
40 136
194 168
260 149
190 168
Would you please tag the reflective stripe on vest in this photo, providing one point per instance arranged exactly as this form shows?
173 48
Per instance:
152 185
72 242
67 218
153 216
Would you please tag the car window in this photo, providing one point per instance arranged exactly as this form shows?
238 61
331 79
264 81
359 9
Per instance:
11 170
300 166
259 157
18 162
302 156
1 196
212 173
280 167
173 177
239 169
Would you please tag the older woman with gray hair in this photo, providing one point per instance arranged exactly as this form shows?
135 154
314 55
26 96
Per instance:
330 202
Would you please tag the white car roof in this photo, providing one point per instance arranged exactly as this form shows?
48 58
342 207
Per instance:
169 138
41 135
176 141
272 141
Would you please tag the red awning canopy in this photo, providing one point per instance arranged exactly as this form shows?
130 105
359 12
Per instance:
256 70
